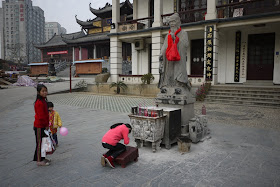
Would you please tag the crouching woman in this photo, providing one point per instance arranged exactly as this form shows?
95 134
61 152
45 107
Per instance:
111 140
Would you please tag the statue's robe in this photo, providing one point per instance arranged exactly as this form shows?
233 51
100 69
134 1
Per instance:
174 73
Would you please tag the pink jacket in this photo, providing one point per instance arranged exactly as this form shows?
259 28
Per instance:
113 136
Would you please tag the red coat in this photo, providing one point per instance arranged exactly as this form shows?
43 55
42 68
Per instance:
113 136
41 114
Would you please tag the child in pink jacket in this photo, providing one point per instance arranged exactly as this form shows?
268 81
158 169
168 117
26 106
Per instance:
111 140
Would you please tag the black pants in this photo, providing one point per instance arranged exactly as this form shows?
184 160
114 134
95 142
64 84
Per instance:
55 138
114 151
39 133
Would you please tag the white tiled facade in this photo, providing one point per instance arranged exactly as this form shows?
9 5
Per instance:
224 38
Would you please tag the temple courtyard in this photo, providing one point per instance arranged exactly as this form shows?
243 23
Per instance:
243 148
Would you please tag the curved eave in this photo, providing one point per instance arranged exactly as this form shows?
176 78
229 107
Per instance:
125 8
84 23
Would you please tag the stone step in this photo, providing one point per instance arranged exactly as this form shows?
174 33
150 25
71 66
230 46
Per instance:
228 97
244 94
267 91
243 102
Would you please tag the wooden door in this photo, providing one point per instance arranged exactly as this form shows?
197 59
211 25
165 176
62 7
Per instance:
260 56
197 54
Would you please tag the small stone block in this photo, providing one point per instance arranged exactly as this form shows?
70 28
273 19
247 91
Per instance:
131 154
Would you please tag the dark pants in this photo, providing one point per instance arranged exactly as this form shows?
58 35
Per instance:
55 138
114 151
39 133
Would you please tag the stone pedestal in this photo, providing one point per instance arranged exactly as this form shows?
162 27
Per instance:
185 102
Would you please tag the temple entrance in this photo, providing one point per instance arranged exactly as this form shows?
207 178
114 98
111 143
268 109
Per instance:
197 54
260 56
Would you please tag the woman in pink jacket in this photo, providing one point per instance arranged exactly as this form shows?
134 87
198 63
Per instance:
111 140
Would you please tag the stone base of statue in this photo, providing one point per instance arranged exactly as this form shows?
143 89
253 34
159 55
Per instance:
184 102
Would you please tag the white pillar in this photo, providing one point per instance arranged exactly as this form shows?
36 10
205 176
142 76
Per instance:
115 14
80 53
135 11
134 59
94 51
73 55
116 58
157 42
158 7
211 10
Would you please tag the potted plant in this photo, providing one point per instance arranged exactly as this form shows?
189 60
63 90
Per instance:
147 78
120 85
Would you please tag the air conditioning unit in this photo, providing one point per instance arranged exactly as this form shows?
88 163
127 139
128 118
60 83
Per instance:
139 44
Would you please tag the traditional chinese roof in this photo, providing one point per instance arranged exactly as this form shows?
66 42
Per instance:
87 39
56 40
106 12
87 24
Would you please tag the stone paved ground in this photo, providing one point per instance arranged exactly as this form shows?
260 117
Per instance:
236 155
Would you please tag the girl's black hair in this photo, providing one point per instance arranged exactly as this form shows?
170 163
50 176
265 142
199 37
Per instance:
50 104
118 124
39 88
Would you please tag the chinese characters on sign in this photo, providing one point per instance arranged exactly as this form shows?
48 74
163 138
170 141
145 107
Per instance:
237 56
243 58
209 52
175 5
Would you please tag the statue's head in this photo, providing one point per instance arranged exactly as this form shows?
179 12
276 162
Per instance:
174 20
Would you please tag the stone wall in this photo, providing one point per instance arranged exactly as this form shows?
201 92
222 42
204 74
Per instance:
150 90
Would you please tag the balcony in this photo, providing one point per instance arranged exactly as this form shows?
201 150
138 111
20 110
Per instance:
247 7
188 16
136 24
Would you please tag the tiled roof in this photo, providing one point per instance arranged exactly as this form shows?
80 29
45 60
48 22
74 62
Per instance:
87 38
56 40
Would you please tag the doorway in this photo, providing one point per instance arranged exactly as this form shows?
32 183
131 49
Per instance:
197 54
260 56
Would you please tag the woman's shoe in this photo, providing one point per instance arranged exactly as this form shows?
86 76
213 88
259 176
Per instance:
110 160
43 163
103 162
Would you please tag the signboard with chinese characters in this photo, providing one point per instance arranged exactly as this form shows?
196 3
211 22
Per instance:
57 52
237 56
243 60
97 24
209 52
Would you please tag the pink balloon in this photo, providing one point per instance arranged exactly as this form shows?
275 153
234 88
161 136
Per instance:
63 131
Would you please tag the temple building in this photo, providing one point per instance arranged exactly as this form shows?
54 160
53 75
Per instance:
92 43
230 41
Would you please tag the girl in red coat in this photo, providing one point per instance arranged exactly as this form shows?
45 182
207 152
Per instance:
41 123
111 140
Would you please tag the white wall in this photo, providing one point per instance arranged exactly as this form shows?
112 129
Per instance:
140 60
227 51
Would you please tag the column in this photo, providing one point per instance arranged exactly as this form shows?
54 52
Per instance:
94 51
115 14
158 7
135 11
211 10
42 59
73 55
157 42
116 58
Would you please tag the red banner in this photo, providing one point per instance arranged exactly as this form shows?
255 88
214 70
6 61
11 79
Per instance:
57 52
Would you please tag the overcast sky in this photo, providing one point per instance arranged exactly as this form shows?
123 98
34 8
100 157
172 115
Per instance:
64 11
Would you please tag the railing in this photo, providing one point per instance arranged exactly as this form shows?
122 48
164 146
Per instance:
131 79
247 7
136 24
188 16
